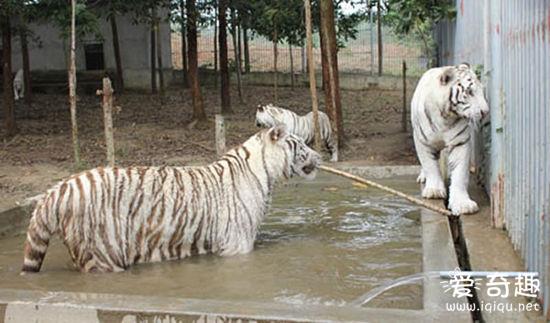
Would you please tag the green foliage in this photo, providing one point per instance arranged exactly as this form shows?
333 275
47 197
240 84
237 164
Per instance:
419 17
286 17
410 15
58 13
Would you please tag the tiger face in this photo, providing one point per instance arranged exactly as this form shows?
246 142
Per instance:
300 160
266 116
466 98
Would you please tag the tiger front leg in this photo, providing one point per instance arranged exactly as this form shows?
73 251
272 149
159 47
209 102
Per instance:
332 147
430 174
459 199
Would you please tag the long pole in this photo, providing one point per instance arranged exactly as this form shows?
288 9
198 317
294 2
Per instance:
387 189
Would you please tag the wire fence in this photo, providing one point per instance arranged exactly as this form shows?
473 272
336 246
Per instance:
358 55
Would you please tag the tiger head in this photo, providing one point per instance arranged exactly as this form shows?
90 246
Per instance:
466 98
298 158
268 116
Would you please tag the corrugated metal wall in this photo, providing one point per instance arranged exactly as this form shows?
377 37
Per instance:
511 39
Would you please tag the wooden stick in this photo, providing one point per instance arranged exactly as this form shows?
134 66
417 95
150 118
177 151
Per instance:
107 93
409 198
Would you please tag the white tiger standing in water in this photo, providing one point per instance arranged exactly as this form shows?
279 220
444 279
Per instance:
302 126
18 85
447 105
112 218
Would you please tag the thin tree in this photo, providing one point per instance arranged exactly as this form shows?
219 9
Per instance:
72 86
275 58
192 58
156 20
183 44
118 59
240 42
216 39
236 51
9 112
246 49
311 70
328 36
153 38
224 65
291 65
380 47
26 62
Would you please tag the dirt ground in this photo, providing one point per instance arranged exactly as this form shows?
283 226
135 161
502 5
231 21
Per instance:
151 131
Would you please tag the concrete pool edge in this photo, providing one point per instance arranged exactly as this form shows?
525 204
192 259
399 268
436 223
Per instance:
438 254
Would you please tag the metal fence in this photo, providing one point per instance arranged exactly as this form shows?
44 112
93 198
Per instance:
511 39
358 55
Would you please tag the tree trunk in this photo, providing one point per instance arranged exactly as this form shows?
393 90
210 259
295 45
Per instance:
380 56
183 45
291 66
275 71
240 45
198 105
224 68
216 45
159 56
9 111
26 64
118 59
153 59
311 72
246 50
324 73
328 34
303 60
72 86
234 33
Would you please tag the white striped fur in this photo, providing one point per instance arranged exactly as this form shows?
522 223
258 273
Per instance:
447 105
302 126
111 218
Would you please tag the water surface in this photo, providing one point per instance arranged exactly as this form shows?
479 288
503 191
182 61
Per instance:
326 241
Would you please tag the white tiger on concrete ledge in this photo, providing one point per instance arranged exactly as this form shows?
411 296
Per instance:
447 105
18 85
302 126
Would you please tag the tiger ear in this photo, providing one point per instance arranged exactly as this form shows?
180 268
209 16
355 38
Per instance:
447 76
260 108
464 66
277 133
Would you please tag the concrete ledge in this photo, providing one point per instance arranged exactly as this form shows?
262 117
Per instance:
438 254
30 306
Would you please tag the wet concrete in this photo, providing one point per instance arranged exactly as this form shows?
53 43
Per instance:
490 249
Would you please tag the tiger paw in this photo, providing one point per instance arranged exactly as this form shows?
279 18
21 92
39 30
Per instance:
463 205
434 193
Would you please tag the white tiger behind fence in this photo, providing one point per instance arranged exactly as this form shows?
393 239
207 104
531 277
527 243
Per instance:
18 85
446 107
111 218
302 126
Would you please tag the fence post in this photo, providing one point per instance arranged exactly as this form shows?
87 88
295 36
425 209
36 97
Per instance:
220 135
107 93
404 112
